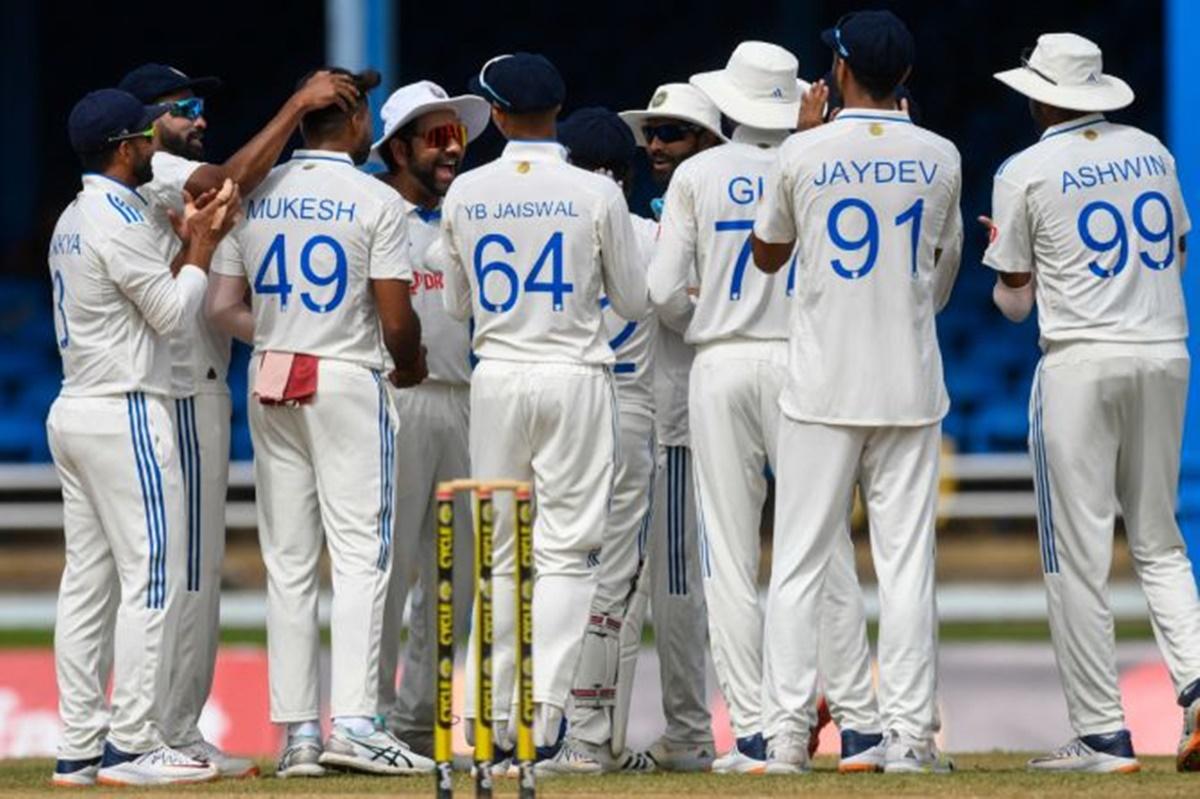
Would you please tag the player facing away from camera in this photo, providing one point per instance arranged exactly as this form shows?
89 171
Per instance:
531 243
120 290
199 363
425 136
872 202
322 248
738 323
598 141
679 122
1090 221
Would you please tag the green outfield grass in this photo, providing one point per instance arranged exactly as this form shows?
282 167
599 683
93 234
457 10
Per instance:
1130 630
983 775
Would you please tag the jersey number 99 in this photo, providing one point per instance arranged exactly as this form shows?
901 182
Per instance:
277 256
1119 240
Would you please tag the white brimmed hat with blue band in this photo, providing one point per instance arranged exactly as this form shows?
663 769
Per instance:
680 101
1066 70
758 86
416 99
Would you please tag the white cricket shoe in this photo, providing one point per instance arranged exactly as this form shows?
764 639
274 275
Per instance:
862 752
161 766
748 756
669 756
905 755
1188 756
75 773
228 766
301 758
1091 754
574 758
787 754
377 753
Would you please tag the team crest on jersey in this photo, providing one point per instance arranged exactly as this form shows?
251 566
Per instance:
875 129
1090 135
658 99
522 167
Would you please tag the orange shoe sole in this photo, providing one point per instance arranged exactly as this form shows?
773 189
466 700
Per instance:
1188 758
109 782
859 768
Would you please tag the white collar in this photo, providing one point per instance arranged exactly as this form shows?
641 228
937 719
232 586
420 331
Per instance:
105 183
534 150
322 155
1074 124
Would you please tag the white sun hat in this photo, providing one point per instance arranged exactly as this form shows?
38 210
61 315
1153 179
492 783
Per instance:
411 101
757 87
1066 70
676 101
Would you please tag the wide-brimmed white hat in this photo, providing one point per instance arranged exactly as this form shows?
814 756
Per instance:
676 101
411 101
757 87
1066 70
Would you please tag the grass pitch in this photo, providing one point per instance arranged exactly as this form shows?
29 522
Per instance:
978 775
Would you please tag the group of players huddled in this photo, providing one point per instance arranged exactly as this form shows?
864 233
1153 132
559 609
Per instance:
776 322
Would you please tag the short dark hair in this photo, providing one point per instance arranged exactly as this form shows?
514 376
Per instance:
877 87
97 160
329 120
406 132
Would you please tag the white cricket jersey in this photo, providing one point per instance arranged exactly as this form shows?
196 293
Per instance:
199 353
1095 211
707 218
633 341
530 244
115 300
873 198
314 233
446 339
672 370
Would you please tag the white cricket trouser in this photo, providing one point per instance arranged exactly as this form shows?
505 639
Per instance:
624 543
556 425
734 416
897 470
1106 424
433 446
124 526
202 439
324 472
671 586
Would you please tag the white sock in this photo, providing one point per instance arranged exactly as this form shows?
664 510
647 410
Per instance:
304 729
356 725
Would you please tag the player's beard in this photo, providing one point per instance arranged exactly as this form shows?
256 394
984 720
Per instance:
143 170
427 175
186 145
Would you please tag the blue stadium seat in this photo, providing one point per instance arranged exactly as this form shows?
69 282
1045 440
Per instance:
1002 426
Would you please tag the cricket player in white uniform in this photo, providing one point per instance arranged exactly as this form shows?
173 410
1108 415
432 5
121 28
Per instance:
323 250
199 367
598 141
425 136
1091 221
531 243
117 296
679 122
739 327
872 201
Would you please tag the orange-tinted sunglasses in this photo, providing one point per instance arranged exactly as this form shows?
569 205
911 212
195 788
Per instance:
442 135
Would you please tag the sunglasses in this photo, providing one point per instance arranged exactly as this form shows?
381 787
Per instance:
188 108
668 132
148 133
1025 54
441 136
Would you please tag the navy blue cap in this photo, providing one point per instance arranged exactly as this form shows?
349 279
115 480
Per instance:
107 114
874 43
152 81
597 137
520 83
